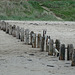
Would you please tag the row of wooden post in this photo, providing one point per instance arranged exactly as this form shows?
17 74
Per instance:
40 41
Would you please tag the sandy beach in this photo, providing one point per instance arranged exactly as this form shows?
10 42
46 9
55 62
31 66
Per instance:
16 58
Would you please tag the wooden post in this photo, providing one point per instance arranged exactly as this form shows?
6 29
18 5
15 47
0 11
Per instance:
43 40
70 49
44 35
62 52
57 42
51 48
27 36
47 43
3 26
22 34
38 40
42 43
0 24
73 58
42 47
31 37
14 30
7 28
10 29
34 40
18 32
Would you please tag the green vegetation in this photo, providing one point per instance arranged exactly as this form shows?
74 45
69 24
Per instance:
23 10
62 8
37 10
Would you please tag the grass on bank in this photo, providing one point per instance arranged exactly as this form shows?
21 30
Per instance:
64 9
32 10
23 10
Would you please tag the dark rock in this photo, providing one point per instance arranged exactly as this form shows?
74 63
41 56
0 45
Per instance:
66 66
67 63
21 56
29 59
25 52
50 65
31 54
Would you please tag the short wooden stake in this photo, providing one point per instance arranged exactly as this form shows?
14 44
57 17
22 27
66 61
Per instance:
42 43
14 31
7 28
3 26
73 58
38 41
47 44
44 35
51 48
70 49
34 40
62 52
0 24
18 32
27 36
22 34
31 33
57 43
10 29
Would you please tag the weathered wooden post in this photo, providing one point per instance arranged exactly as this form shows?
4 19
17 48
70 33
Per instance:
26 36
31 37
42 46
42 43
3 26
57 43
22 34
38 41
14 30
18 32
62 52
43 39
73 58
51 48
44 35
70 49
0 24
10 29
34 40
7 27
47 43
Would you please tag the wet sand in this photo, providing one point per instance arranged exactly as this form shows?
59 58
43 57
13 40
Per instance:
16 58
